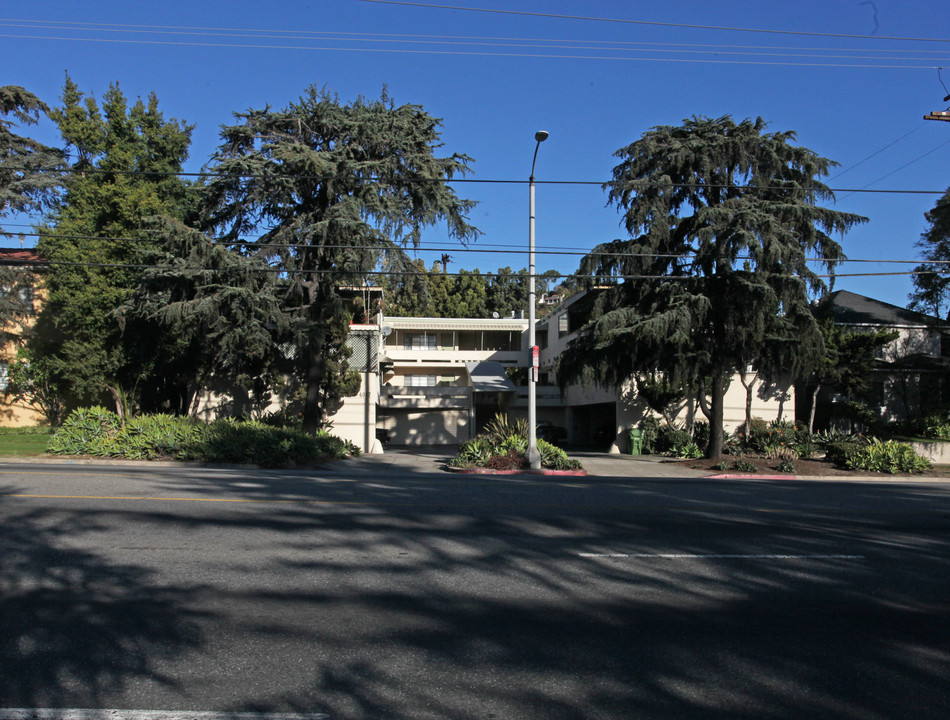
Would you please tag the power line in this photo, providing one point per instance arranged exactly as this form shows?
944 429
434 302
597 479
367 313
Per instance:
551 44
456 249
471 181
893 172
543 56
878 152
654 23
396 273
363 36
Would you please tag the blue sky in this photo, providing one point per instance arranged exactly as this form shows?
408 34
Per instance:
496 77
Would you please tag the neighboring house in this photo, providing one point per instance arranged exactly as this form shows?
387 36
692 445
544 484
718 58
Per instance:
30 298
911 376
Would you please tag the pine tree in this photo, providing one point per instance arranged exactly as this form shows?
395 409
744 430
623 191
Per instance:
30 179
124 161
931 279
723 219
331 185
30 172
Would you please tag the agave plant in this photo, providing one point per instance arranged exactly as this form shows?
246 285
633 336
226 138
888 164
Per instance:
501 427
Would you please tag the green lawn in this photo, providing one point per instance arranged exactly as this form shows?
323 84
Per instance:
22 443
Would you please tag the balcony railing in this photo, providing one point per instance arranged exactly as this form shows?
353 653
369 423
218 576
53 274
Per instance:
452 356
547 395
426 397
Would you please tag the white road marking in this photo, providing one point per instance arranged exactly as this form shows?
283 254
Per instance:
712 556
108 714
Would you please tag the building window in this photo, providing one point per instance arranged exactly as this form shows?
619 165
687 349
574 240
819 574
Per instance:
25 295
419 341
4 375
562 328
421 380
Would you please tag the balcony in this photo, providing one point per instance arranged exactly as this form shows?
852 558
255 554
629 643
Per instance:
547 396
423 398
451 356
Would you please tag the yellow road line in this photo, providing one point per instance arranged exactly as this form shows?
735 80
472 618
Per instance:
183 499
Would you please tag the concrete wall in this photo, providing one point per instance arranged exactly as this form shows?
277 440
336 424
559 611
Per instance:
425 427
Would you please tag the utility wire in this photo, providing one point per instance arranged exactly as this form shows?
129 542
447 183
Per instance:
893 172
319 34
683 48
479 247
393 273
456 249
877 152
654 23
448 181
543 56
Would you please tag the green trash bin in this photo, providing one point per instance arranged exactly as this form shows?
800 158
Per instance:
636 441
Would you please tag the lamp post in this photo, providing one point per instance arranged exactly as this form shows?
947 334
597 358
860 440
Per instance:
534 457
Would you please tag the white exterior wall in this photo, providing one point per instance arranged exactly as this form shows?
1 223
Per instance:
356 420
426 426
770 404
912 341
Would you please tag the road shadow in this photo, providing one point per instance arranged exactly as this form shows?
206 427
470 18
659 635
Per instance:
424 596
76 627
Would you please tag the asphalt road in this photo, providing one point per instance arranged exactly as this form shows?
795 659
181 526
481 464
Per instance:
385 592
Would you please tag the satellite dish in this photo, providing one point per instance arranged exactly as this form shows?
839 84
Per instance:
386 331
495 315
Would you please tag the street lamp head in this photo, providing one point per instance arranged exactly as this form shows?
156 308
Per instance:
541 135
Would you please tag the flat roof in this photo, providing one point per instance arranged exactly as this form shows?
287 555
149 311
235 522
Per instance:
503 324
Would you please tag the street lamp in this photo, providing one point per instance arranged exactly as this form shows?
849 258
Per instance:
534 457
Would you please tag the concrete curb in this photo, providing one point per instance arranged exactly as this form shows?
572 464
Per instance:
542 471
831 478
340 466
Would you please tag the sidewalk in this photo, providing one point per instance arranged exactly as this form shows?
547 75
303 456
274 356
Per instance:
597 464
432 459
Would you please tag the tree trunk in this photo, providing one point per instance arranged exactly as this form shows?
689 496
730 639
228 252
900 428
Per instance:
313 408
814 407
716 407
120 406
316 363
749 389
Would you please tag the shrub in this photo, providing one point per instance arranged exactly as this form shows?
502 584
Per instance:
553 458
888 456
476 451
701 433
935 426
502 427
744 466
722 466
841 446
689 450
805 445
99 432
511 460
504 445
670 437
779 451
650 427
786 466
514 443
